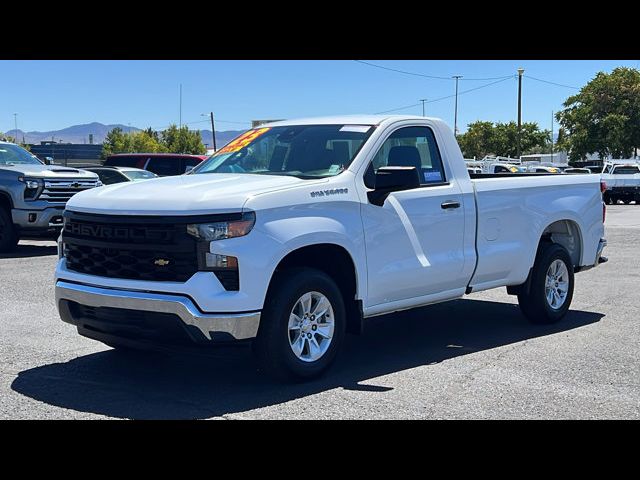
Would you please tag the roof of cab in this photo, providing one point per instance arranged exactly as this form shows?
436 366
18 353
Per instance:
341 120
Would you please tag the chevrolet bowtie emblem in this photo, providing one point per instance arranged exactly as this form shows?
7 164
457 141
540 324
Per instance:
76 185
161 262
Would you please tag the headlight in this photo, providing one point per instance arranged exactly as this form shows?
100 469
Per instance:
32 187
221 230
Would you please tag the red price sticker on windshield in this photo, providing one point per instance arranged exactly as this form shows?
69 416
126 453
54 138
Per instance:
243 140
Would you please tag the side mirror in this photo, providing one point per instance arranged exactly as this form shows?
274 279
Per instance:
48 160
393 179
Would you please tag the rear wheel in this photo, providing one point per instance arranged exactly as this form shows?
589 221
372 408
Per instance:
8 234
551 288
302 325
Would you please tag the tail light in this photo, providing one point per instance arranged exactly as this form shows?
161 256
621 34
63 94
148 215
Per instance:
603 186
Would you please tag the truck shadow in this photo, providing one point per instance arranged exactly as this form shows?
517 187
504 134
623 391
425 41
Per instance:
151 386
28 251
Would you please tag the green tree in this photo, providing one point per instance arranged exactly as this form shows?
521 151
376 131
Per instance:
182 140
487 138
147 141
604 117
114 142
478 140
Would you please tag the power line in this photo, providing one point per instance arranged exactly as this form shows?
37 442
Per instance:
405 72
551 83
447 96
399 108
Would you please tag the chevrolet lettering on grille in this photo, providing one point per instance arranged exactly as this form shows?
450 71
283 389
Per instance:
118 233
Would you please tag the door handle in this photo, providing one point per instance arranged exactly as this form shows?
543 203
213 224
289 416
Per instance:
447 205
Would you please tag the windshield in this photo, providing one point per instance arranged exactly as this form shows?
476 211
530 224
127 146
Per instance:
135 175
305 151
626 170
15 155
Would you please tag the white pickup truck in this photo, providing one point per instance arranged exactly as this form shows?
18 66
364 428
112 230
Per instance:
297 231
622 179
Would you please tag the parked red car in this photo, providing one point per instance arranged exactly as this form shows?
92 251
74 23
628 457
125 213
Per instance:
162 164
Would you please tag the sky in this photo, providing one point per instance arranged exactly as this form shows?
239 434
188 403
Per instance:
54 94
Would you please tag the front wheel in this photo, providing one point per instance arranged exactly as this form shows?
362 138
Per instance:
551 288
302 325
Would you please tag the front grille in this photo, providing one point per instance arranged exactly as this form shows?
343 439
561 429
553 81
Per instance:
137 248
59 191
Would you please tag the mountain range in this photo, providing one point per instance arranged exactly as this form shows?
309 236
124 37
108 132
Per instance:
80 134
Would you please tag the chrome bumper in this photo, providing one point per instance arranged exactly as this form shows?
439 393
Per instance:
239 325
599 258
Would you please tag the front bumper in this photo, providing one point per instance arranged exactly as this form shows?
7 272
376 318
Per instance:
201 327
46 219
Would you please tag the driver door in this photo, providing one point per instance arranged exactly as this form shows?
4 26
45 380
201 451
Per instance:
415 240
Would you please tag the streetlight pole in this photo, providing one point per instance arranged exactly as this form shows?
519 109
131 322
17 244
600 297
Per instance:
180 107
213 129
213 133
520 72
15 126
455 115
551 136
423 100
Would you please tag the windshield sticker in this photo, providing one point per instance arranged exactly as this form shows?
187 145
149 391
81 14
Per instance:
356 128
242 141
432 177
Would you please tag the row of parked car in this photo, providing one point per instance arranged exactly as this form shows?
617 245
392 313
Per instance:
34 192
501 167
621 177
131 167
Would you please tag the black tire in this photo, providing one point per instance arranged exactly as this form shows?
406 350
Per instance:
271 346
534 305
8 234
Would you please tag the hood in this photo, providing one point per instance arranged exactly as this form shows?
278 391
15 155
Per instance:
199 194
48 171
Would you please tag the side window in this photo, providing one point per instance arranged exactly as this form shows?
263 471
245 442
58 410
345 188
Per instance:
501 169
410 147
109 177
189 163
164 166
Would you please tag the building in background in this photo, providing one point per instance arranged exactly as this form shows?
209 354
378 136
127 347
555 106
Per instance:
69 154
556 158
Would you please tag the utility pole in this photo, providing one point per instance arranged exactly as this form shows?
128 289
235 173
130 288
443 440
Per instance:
15 125
455 115
180 106
213 133
551 136
423 100
520 72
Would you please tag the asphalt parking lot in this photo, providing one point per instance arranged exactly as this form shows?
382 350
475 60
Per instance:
475 358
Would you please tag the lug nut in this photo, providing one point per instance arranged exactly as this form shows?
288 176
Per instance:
314 327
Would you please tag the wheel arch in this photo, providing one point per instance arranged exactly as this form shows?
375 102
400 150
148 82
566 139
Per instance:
5 201
567 233
337 262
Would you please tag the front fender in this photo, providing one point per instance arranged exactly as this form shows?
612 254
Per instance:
336 223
